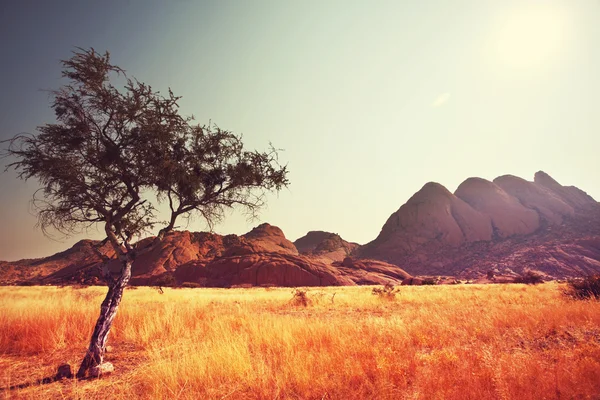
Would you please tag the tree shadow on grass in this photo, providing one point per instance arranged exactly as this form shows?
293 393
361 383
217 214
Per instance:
64 372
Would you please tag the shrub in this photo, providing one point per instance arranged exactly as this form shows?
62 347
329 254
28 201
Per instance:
79 286
191 285
387 291
300 298
584 288
242 286
165 279
529 278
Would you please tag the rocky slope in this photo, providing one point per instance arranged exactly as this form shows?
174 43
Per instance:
506 226
501 227
325 245
262 257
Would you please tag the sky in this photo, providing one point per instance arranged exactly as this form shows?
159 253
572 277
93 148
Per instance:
369 100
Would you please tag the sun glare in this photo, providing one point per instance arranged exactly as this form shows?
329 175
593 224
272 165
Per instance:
530 37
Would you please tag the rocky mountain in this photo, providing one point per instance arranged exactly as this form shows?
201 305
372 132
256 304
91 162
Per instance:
507 226
262 257
326 245
59 265
497 228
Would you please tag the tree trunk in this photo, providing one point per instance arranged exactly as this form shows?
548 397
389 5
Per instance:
108 310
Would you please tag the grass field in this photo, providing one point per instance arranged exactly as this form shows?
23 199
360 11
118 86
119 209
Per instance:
430 342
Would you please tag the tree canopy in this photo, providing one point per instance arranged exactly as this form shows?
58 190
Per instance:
109 149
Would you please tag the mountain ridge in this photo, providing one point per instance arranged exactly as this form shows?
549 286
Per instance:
504 227
436 229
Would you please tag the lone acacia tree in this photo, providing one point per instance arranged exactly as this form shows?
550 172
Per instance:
112 154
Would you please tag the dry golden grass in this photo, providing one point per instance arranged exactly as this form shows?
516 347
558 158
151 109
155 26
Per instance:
435 342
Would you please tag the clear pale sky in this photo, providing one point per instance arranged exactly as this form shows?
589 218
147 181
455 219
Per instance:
369 99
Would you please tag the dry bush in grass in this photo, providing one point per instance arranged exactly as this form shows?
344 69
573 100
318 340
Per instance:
445 342
192 285
529 278
429 281
300 298
165 280
584 288
80 286
387 291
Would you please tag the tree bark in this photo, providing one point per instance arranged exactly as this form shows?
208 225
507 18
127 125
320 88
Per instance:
95 353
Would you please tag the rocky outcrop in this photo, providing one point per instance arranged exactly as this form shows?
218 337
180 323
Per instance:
262 257
268 238
432 215
371 272
263 269
181 247
509 223
326 245
500 229
275 269
549 205
507 215
575 197
61 266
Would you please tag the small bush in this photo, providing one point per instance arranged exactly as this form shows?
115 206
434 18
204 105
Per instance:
191 285
242 286
388 291
584 288
529 278
300 298
79 286
165 279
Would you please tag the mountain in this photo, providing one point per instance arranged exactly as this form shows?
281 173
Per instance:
261 257
485 228
506 226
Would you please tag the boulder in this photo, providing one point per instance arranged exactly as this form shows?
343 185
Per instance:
64 372
103 369
326 245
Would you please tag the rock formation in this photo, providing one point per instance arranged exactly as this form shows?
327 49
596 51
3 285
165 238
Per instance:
549 205
509 224
326 245
262 257
433 215
507 215
499 228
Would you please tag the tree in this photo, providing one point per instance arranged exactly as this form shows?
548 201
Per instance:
112 155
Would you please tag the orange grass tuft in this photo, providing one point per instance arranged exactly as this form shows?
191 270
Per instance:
451 342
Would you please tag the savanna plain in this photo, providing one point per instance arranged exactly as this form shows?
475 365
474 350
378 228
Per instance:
429 342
